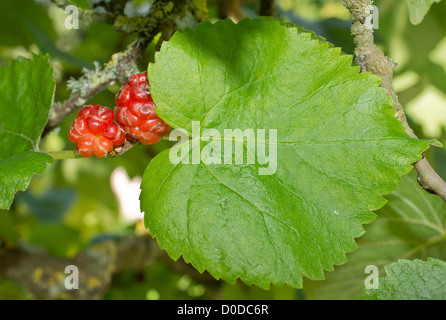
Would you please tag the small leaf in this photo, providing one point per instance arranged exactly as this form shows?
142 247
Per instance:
435 143
339 147
26 96
412 280
418 9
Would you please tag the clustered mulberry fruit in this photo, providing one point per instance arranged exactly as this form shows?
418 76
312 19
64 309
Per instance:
96 132
135 111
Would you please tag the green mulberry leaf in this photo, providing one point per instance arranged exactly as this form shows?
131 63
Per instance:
412 280
26 96
16 173
338 148
418 9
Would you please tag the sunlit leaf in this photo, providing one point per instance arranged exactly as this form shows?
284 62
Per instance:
339 147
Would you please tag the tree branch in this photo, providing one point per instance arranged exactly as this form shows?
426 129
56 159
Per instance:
370 58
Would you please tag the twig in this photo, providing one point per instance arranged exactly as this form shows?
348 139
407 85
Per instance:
116 69
62 155
44 275
370 58
267 8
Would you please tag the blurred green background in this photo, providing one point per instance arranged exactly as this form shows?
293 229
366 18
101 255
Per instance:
74 202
